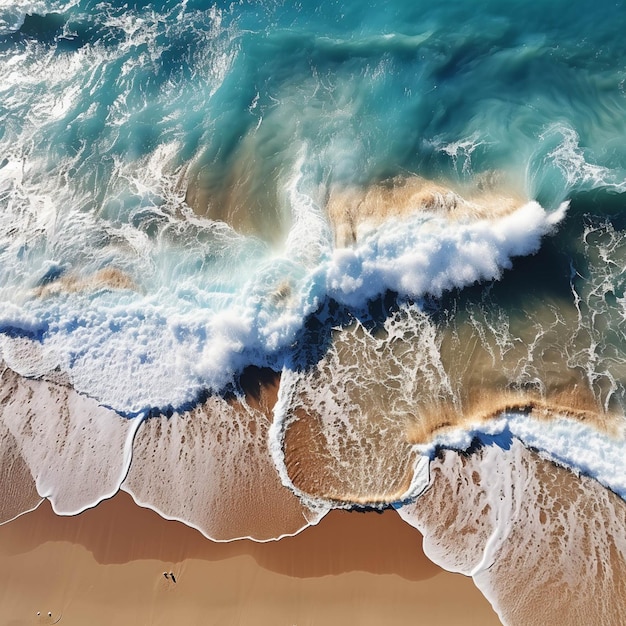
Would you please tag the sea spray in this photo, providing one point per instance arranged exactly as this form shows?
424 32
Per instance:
167 181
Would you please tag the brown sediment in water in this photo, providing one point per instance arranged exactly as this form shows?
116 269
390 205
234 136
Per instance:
242 195
251 204
527 360
355 210
370 471
110 278
107 566
574 405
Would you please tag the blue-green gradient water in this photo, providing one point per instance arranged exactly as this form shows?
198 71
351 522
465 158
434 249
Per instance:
167 173
113 114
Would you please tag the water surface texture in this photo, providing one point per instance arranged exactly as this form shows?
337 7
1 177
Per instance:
291 255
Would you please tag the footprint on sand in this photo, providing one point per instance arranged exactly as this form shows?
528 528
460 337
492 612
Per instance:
167 581
48 617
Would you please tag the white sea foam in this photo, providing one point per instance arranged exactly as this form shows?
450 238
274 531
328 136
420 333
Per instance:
569 157
169 349
461 151
201 302
596 346
77 451
579 446
559 150
13 12
430 254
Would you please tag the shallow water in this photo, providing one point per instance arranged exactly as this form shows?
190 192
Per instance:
543 545
411 214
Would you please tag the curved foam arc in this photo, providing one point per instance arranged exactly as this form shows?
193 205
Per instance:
25 356
339 434
77 451
570 159
574 444
418 482
276 434
210 468
471 527
543 545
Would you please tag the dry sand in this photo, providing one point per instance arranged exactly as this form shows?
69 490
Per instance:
106 566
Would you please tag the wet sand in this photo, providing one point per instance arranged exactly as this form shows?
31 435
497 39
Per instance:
545 545
107 565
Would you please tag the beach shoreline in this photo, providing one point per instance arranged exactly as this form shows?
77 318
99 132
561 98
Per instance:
107 565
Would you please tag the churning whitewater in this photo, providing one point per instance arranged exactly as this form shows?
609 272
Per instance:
318 256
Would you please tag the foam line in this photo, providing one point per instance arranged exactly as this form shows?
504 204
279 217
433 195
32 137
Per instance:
578 446
428 255
77 451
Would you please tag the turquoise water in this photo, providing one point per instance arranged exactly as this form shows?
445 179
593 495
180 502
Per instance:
113 114
414 212
166 173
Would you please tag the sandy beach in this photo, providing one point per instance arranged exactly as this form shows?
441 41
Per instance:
107 565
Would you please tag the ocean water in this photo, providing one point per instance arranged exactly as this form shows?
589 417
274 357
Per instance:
262 259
